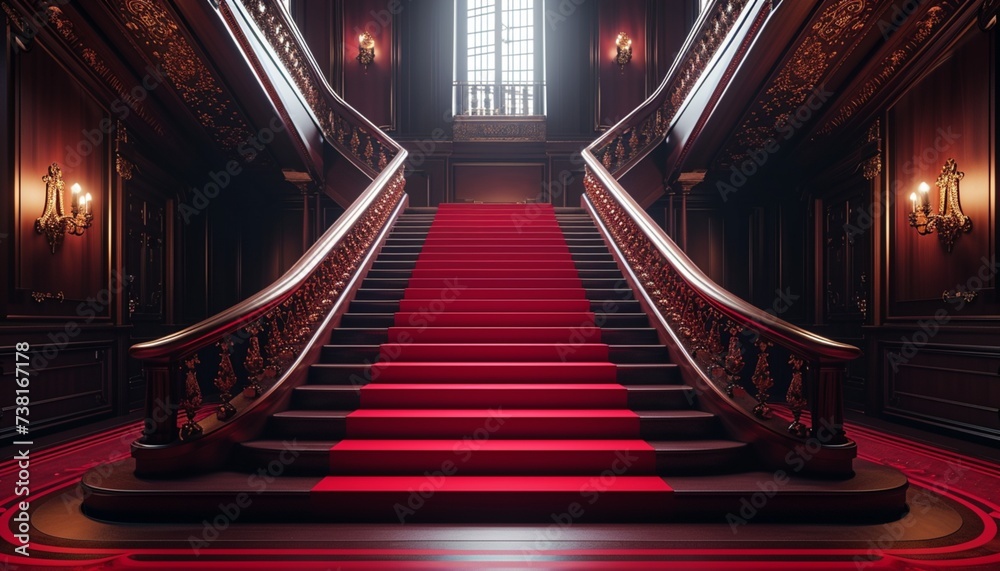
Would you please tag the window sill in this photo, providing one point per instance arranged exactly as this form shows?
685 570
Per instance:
504 128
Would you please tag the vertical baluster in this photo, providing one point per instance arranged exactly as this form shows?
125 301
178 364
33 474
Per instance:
355 142
685 320
717 352
286 351
191 401
795 397
254 362
272 346
369 153
225 380
762 380
526 100
702 328
734 359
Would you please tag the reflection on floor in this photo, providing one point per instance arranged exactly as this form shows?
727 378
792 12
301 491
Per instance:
954 506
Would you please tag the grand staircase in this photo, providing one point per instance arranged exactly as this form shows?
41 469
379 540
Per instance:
495 367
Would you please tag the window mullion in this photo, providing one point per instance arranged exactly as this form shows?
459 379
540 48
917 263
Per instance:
498 48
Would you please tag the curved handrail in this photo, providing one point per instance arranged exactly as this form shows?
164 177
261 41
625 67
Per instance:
279 321
258 304
350 132
710 320
740 311
632 138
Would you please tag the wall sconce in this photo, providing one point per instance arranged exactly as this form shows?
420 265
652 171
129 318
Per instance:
950 222
366 49
53 222
624 45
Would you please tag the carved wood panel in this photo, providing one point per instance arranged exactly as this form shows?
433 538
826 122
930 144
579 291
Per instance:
145 249
847 257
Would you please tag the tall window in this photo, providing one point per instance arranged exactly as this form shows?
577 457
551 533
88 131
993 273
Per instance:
499 58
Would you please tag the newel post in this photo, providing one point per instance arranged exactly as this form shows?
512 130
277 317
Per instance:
160 424
827 403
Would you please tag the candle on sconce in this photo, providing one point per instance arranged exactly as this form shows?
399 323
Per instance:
77 200
87 203
925 197
913 200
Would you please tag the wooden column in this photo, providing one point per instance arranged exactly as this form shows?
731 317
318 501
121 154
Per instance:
161 404
687 182
826 396
304 184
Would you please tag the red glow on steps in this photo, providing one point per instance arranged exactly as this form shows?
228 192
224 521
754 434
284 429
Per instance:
499 352
534 484
513 395
494 334
494 392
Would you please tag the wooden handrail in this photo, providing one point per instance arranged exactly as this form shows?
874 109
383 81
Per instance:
281 321
714 326
632 138
805 342
255 306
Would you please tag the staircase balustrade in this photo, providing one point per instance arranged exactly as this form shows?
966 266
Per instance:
251 349
730 343
356 138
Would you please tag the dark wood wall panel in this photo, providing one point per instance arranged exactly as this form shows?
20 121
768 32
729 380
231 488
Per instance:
707 241
846 286
370 90
968 401
63 125
668 22
145 251
316 20
427 182
68 382
426 64
498 182
946 115
620 89
569 70
566 179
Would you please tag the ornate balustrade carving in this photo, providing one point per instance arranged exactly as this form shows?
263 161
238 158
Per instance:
215 371
646 127
720 332
346 129
250 346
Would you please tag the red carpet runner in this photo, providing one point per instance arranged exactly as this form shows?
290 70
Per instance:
494 398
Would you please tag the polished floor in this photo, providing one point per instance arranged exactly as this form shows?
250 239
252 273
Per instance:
954 503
